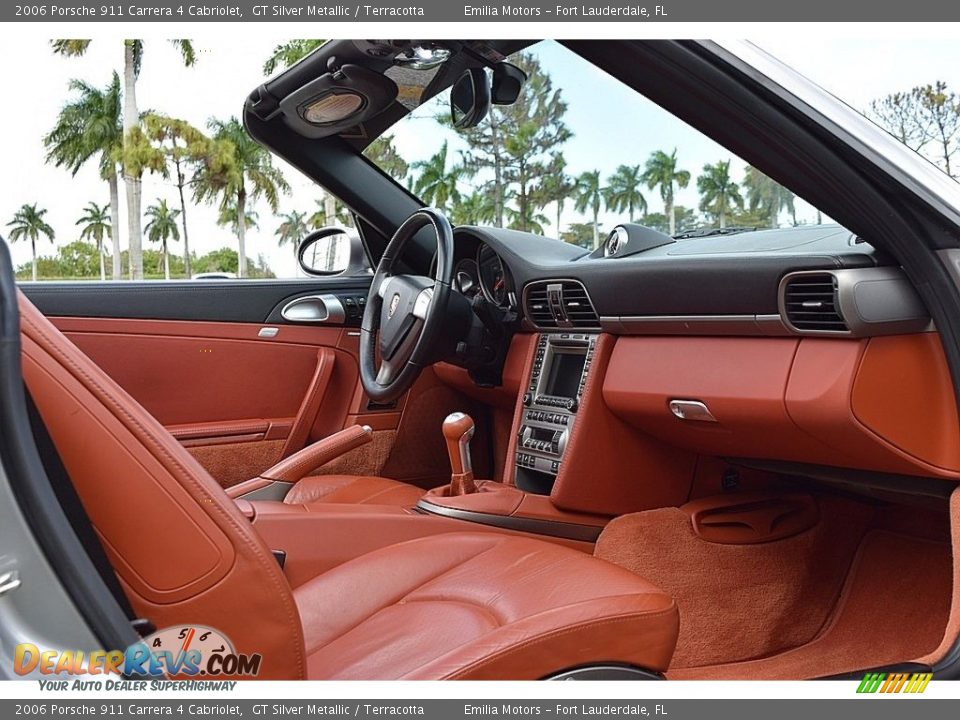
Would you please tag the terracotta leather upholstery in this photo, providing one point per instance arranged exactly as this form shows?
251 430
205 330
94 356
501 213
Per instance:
353 489
480 607
447 606
349 489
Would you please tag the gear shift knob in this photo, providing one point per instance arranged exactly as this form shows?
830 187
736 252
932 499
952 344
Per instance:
458 430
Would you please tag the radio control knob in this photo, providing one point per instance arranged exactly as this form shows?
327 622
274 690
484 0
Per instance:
527 399
571 404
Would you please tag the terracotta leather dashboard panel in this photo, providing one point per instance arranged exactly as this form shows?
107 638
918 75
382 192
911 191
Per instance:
883 404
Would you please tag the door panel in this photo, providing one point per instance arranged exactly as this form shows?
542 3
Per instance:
193 355
230 396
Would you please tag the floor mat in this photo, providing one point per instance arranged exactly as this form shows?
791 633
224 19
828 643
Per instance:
894 607
739 602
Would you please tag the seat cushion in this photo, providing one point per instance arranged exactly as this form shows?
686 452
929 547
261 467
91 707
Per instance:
354 489
480 606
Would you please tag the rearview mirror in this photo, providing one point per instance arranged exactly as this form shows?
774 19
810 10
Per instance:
332 251
470 99
507 83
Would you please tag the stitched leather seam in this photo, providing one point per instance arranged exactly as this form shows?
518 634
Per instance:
552 635
146 438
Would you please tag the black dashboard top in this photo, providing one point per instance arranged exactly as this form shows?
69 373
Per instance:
725 274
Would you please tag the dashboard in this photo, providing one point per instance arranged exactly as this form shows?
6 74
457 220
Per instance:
808 280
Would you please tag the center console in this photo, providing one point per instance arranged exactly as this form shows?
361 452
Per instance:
553 393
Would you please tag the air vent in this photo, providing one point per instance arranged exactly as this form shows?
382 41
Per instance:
809 303
538 309
560 304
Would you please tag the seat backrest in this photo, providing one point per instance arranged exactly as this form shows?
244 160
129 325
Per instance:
182 551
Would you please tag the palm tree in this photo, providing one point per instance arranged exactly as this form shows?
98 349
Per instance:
96 225
589 195
383 153
133 163
556 186
436 185
719 194
623 191
240 170
767 196
292 229
227 217
288 53
161 228
473 209
661 170
28 223
88 127
181 144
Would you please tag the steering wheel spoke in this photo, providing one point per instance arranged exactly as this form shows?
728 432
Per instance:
404 317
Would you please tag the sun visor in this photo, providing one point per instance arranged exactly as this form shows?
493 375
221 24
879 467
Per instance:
337 101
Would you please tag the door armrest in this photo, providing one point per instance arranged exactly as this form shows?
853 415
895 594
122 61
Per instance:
301 463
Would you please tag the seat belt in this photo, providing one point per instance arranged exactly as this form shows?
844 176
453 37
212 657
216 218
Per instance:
77 516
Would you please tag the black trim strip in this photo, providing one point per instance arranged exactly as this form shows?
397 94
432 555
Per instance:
551 528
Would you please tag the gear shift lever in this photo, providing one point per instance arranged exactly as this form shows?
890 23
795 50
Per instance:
458 430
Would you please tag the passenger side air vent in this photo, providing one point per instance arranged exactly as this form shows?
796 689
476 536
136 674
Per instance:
560 304
809 303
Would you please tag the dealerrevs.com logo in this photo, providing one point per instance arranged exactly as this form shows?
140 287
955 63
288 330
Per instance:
191 650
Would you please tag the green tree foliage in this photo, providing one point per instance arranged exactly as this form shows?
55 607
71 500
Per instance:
514 145
926 119
582 234
622 193
685 219
292 229
95 226
286 54
436 184
182 146
767 197
136 156
227 217
661 171
382 153
589 196
161 228
225 260
556 186
28 224
473 209
719 193
88 127
238 170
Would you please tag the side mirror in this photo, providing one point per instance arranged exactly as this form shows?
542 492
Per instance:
470 99
508 81
332 251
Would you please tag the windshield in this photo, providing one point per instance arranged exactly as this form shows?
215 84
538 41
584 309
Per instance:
578 153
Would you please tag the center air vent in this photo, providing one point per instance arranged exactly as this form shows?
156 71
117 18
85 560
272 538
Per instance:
560 304
808 302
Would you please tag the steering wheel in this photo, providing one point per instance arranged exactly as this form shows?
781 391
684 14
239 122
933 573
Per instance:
404 317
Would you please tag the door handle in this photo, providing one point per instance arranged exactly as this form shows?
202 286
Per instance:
324 308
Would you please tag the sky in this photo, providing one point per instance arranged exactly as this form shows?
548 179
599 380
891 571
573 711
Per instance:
856 70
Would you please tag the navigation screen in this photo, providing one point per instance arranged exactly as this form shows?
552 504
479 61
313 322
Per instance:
564 378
